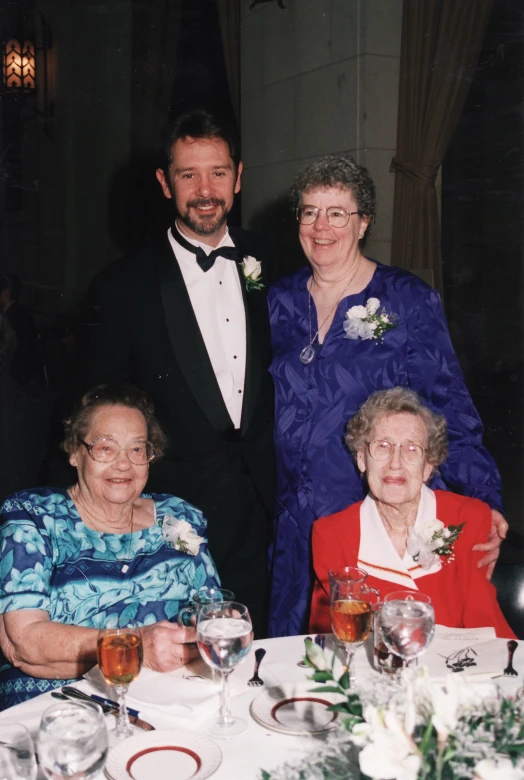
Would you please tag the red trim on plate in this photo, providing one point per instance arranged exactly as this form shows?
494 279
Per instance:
299 698
178 749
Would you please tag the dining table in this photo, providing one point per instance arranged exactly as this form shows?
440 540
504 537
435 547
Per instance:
186 699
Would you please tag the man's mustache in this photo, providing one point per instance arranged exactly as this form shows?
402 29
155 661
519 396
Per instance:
202 202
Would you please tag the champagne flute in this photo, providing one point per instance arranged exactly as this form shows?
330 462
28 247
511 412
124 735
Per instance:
407 621
188 614
224 637
17 755
119 653
351 606
72 740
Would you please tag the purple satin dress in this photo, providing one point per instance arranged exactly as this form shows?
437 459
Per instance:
316 474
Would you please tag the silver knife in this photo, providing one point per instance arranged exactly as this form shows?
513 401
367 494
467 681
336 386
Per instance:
75 693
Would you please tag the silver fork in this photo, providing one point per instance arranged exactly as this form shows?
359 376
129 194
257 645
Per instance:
320 640
509 671
256 681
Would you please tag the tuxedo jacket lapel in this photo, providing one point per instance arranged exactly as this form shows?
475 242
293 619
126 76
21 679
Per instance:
253 301
187 341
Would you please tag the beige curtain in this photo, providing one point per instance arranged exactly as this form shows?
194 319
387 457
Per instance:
229 18
156 25
441 42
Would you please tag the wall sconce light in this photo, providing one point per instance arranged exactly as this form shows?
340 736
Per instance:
25 55
19 66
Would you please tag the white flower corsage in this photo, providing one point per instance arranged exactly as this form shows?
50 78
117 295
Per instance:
180 535
367 322
252 270
433 542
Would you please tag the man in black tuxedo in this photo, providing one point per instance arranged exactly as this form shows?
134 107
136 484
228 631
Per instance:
187 325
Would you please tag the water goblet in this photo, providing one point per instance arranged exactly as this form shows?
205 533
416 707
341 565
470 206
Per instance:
224 638
119 652
17 755
188 615
407 622
72 740
351 607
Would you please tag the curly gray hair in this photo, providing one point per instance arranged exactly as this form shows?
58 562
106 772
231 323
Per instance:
393 401
337 171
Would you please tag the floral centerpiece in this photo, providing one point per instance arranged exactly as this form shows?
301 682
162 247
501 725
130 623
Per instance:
412 729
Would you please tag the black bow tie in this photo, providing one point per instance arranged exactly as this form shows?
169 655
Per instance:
207 261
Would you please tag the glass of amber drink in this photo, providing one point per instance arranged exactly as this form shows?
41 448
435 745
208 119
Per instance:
119 653
351 605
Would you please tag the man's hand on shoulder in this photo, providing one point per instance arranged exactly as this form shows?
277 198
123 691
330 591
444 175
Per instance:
498 532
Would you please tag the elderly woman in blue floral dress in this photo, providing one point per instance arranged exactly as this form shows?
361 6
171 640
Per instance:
100 554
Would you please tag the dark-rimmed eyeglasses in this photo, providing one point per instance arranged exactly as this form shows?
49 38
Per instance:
105 450
412 454
336 216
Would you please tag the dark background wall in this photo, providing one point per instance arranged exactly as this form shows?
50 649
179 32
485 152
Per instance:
482 244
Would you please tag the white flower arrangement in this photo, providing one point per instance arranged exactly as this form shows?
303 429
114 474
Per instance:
413 729
433 542
252 270
367 322
180 535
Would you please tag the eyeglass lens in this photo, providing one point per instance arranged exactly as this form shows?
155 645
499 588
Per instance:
409 452
107 450
337 217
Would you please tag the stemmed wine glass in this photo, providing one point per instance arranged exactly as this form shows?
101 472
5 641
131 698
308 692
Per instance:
224 637
17 755
119 653
351 604
72 740
407 621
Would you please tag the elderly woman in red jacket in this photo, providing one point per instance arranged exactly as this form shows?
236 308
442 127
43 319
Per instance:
404 535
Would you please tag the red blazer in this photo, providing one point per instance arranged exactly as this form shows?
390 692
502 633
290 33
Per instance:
461 595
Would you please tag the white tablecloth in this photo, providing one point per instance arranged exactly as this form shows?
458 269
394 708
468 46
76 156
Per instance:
246 755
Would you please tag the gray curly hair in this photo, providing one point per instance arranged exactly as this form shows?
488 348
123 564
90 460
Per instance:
337 171
393 401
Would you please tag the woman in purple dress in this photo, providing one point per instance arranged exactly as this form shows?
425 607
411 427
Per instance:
343 328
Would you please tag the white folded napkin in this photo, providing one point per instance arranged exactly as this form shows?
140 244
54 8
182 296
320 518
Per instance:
189 693
471 652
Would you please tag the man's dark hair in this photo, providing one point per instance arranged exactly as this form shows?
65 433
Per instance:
200 123
12 283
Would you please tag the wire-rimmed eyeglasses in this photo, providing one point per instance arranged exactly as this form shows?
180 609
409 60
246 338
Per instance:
336 216
411 453
106 450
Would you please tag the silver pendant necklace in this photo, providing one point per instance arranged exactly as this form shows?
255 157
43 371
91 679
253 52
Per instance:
309 352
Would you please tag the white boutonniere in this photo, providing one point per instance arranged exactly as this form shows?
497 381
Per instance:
180 535
367 322
252 270
433 542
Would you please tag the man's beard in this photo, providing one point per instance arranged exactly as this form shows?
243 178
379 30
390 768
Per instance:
206 225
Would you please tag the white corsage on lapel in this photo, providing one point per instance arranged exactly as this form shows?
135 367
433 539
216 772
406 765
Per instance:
180 535
376 552
252 272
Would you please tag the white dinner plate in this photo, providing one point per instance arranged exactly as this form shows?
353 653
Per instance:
293 709
164 755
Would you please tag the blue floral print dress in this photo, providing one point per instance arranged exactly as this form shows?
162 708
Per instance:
316 475
50 560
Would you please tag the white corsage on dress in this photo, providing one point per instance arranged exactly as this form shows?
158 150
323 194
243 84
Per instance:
366 322
181 535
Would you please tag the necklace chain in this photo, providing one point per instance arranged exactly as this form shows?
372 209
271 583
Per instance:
90 514
308 353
